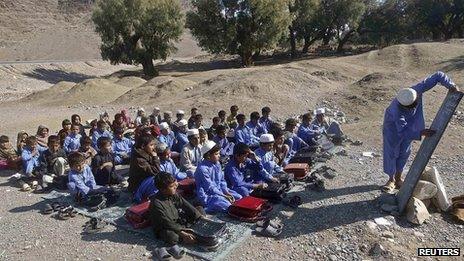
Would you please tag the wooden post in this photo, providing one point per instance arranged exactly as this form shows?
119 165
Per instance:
427 148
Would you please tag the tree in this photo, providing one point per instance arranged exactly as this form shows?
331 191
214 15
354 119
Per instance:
138 31
304 24
243 27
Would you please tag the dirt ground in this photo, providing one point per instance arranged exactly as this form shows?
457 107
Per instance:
330 225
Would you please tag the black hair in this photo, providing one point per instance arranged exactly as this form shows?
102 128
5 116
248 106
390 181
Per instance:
202 131
75 159
265 110
234 108
254 115
307 116
290 122
222 112
65 122
53 139
221 128
163 179
74 116
118 131
277 133
31 139
198 116
216 119
241 149
144 140
86 140
240 117
102 141
193 109
4 139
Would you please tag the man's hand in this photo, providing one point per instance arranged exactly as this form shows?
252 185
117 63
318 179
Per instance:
229 197
262 186
454 88
427 133
252 156
187 238
275 180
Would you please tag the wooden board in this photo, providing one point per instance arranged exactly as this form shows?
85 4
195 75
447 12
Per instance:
427 147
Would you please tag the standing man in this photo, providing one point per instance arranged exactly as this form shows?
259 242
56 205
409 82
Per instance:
403 123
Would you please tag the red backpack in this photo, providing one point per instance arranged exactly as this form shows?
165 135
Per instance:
250 209
299 170
139 215
186 188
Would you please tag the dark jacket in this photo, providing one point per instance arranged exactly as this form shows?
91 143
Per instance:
142 166
164 212
48 158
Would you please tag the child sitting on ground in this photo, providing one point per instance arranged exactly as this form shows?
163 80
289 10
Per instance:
203 136
21 141
30 157
101 131
72 142
87 150
212 130
76 119
266 156
144 162
122 147
181 136
8 157
221 140
81 182
190 156
54 161
42 137
231 120
236 170
165 216
211 187
244 134
103 164
166 163
119 123
257 129
281 150
65 131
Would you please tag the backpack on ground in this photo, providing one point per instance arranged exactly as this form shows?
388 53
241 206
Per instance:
139 215
299 170
274 192
249 209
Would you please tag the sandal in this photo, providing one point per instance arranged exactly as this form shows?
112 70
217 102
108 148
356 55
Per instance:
398 184
162 254
389 187
176 251
47 210
56 206
267 222
63 215
269 231
94 225
293 202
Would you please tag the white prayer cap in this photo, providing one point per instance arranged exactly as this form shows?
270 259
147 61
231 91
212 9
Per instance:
161 147
192 132
266 138
164 126
209 144
406 96
141 109
181 112
156 109
320 111
231 134
182 123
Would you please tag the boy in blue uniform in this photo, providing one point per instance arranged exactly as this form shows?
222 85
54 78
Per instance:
266 120
72 142
81 182
181 136
306 131
294 142
30 157
244 134
166 136
403 123
222 141
255 126
101 131
264 153
211 186
166 163
122 147
243 161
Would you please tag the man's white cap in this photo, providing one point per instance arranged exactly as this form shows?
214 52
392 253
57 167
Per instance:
182 123
180 112
192 132
231 134
266 138
406 96
209 144
320 111
141 109
164 126
156 109
161 147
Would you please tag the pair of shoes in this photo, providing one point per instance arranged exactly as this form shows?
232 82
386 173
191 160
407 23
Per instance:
164 254
94 225
389 187
66 213
268 228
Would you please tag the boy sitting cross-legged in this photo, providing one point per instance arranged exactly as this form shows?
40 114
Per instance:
55 161
72 142
87 150
167 164
9 158
103 164
122 147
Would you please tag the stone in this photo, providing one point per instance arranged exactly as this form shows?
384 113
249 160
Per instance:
357 143
371 225
441 200
330 174
382 221
416 212
418 234
376 250
333 258
389 208
388 234
424 190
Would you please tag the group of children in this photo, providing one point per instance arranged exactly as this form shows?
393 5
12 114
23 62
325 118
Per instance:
228 160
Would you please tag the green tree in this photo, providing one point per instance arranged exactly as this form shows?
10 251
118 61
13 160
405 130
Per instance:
304 23
138 31
243 27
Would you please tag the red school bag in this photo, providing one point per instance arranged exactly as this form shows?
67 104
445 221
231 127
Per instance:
249 209
299 170
139 215
186 188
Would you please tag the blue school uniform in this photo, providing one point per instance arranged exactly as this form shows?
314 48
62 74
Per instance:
295 144
236 175
120 147
269 164
211 187
266 123
307 133
401 125
170 167
227 148
81 183
245 135
257 129
168 139
98 134
30 162
72 143
181 141
145 190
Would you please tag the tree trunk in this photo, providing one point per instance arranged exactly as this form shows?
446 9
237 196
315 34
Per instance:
247 59
256 55
307 43
149 68
343 41
292 41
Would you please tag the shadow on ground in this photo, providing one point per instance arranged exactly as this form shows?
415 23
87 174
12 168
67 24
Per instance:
454 64
54 75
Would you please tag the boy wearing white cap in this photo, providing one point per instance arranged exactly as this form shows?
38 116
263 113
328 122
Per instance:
190 156
181 136
155 117
211 186
167 164
403 123
166 136
266 156
140 114
322 125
